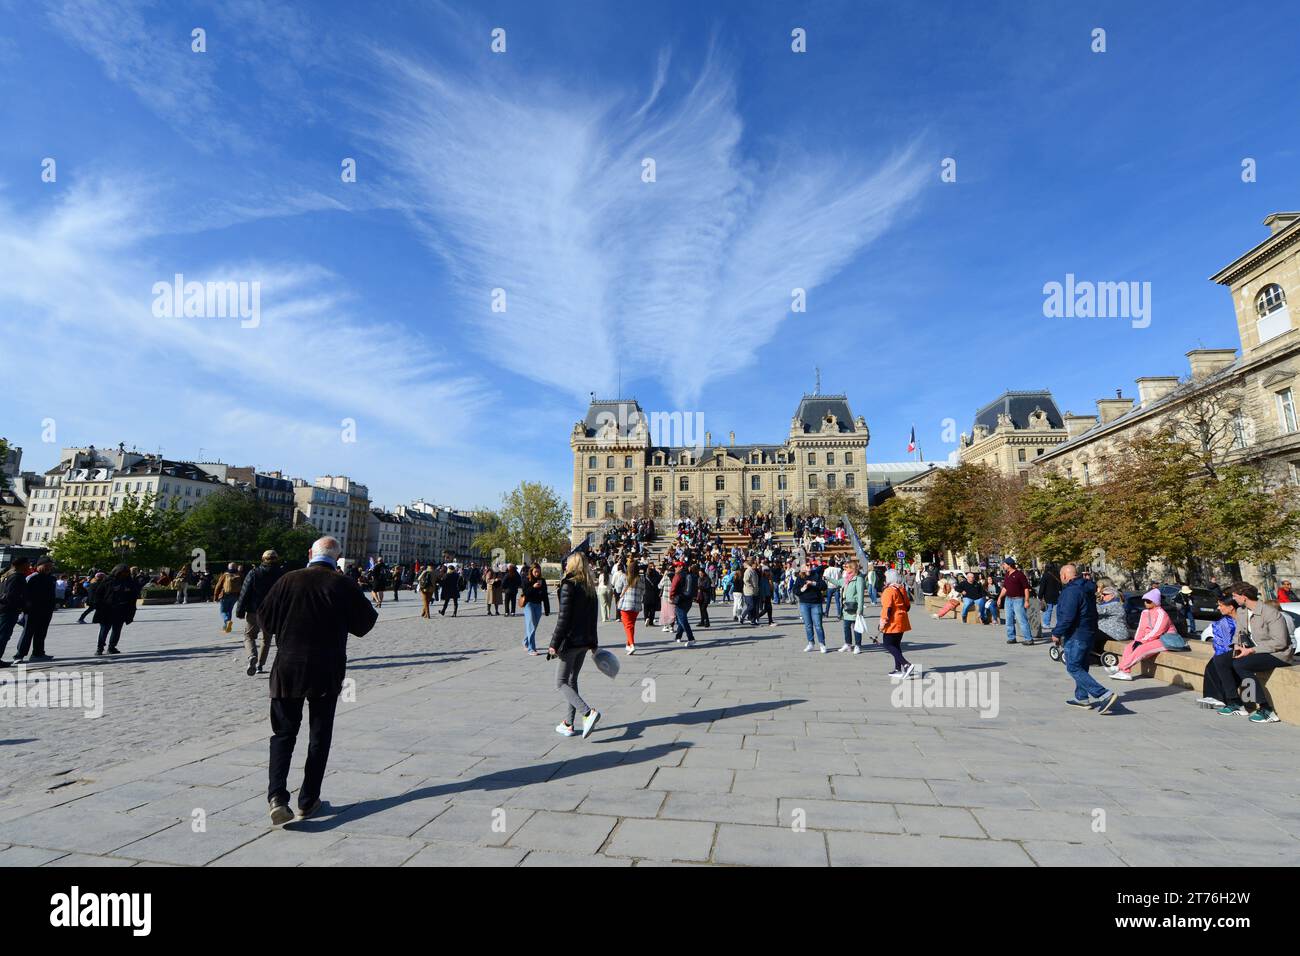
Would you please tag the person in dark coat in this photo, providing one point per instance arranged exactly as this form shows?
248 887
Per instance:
510 584
652 577
41 601
257 585
13 598
311 612
115 598
450 585
573 640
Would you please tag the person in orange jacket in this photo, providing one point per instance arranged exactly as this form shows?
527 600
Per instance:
894 623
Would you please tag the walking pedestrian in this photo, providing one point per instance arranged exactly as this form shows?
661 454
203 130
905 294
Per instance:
41 602
13 598
574 638
450 591
809 589
851 608
533 599
894 622
631 599
682 595
257 585
90 599
425 583
311 612
226 593
1012 596
115 598
1075 631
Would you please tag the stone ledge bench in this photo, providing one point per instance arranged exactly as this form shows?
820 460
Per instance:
933 605
1185 669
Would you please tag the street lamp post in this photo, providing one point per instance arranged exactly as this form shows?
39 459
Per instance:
123 545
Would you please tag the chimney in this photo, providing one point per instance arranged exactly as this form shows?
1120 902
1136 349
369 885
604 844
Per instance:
1109 409
1076 425
708 439
1152 388
732 435
1206 362
1278 221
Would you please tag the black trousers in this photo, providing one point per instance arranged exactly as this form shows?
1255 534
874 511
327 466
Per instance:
1233 672
286 718
511 597
38 623
455 605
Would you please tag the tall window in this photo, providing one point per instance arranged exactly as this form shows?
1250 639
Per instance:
609 461
1270 299
720 483
591 509
781 484
658 484
830 481
848 480
609 508
609 484
591 484
1020 454
683 483
755 483
627 462
830 458
627 483
812 458
812 481
591 462
1286 410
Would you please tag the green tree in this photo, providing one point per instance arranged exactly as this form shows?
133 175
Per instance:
4 486
87 539
894 525
532 520
1249 519
227 525
1059 519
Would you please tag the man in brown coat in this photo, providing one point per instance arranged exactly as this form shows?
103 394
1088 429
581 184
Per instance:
311 612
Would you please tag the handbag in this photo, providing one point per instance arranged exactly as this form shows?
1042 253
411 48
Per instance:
850 607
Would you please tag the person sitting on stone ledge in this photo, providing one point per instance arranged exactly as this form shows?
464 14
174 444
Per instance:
1156 632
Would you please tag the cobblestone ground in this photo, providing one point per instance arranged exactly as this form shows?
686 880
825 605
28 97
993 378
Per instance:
743 750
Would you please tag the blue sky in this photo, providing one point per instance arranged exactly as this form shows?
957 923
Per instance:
522 171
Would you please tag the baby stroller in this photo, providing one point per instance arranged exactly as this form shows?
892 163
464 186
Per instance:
1108 658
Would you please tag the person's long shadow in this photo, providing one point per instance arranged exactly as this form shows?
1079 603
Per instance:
633 729
500 780
410 663
953 668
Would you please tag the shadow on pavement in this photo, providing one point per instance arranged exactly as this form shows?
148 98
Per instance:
501 780
688 718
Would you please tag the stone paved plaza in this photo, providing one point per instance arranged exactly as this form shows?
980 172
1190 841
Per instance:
449 756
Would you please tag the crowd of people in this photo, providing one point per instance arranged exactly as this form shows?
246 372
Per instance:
630 577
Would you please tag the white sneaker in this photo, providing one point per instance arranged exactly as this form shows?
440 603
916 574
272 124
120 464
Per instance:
564 730
856 649
1209 702
589 722
631 649
907 670
822 648
808 648
1111 668
843 649
1121 675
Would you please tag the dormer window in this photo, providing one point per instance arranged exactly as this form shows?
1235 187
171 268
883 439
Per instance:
1270 299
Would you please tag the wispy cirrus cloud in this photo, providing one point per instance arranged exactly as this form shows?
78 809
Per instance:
538 191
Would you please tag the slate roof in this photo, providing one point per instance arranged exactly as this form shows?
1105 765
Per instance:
814 408
1020 405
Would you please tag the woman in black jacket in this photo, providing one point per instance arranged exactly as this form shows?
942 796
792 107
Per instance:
114 607
574 638
652 577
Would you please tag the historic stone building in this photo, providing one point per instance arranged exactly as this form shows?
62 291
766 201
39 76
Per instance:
619 472
1238 407
1012 431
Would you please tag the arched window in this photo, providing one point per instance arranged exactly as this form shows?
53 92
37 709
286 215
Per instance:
1270 299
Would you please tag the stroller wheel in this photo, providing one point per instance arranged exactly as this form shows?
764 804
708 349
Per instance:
1110 659
1054 652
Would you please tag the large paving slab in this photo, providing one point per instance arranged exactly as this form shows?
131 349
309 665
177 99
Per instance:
743 750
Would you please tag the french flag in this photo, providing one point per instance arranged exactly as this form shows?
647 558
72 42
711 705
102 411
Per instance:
911 442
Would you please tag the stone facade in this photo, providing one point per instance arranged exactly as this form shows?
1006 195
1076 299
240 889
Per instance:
1012 431
619 472
1245 406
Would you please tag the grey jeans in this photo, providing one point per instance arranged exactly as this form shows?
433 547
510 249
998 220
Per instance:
566 680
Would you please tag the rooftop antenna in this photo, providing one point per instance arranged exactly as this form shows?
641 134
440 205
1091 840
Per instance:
817 388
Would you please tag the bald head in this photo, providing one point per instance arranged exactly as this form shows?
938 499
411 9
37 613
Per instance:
1068 573
326 547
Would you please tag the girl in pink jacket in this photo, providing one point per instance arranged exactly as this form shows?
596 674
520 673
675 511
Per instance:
1148 640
